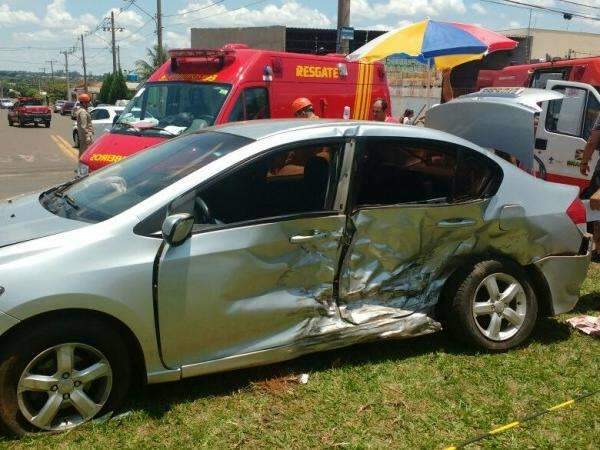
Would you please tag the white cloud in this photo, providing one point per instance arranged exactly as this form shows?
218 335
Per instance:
58 17
514 24
402 8
176 40
291 14
478 8
9 16
34 36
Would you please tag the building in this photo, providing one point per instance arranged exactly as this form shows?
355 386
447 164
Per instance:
547 44
280 38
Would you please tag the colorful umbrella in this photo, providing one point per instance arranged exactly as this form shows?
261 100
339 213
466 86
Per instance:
448 44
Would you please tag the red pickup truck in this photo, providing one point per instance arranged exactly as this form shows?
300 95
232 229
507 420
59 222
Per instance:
29 110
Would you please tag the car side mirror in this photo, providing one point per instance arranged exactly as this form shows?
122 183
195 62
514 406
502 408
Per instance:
116 118
177 228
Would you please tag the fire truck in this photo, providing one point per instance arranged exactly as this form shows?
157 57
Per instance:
197 88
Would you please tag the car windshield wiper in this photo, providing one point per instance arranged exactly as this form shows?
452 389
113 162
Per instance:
67 198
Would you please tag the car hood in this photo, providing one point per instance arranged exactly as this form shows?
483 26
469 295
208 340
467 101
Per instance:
495 118
24 218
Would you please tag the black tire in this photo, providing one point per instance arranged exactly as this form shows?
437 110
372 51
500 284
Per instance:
10 124
23 347
460 293
47 124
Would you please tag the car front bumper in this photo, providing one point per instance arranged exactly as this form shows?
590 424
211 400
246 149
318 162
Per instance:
564 275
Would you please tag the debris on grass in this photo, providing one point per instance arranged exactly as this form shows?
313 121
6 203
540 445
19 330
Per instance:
589 325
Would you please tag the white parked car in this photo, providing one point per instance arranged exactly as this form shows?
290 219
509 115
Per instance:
6 103
102 119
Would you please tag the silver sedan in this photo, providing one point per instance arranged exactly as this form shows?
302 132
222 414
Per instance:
253 243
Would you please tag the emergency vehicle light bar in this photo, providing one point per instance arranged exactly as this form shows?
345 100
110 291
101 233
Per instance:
223 56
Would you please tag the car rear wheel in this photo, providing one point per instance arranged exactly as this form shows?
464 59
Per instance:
493 307
62 374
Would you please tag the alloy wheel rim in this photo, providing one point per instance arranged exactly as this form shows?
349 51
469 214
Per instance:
499 306
64 386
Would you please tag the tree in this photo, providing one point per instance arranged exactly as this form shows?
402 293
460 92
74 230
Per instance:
104 94
154 61
118 88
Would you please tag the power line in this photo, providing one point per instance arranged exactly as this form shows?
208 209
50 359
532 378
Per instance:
195 10
567 14
580 4
229 11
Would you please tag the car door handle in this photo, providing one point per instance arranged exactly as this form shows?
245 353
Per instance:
455 222
301 238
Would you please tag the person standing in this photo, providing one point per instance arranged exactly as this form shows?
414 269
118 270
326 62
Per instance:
85 129
303 109
593 190
380 111
407 117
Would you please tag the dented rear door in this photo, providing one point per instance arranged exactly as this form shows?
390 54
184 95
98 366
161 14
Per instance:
407 225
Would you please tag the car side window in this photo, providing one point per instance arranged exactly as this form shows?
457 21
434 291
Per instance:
592 111
100 114
296 180
252 104
394 172
564 116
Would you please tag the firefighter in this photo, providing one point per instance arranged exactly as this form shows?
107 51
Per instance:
85 130
303 108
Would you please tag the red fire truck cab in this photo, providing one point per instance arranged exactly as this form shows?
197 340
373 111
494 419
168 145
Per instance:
198 88
537 75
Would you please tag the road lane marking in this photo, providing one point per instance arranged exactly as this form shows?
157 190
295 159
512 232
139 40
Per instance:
64 147
27 158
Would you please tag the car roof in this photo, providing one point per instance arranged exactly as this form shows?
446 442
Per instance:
260 129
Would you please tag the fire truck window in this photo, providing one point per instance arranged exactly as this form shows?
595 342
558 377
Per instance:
565 115
252 104
540 79
591 114
292 181
402 171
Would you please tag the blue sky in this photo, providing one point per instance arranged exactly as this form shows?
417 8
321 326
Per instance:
34 31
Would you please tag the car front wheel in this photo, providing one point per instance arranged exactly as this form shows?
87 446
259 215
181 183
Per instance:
57 376
493 307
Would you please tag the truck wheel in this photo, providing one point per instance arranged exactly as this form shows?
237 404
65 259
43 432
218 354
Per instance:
58 375
491 305
10 124
47 124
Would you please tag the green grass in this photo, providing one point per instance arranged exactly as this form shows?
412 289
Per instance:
421 393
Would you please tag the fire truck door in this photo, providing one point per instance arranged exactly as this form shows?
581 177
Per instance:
563 129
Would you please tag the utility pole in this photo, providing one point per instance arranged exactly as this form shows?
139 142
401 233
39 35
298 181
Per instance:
159 41
343 20
52 61
67 53
119 57
112 30
43 69
113 43
85 85
529 37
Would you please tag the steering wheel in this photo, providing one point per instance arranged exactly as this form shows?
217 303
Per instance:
202 213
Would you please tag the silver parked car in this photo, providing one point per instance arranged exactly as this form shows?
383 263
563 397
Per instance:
257 242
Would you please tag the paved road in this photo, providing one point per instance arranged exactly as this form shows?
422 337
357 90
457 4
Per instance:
34 158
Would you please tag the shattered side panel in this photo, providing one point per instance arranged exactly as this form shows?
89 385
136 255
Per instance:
399 257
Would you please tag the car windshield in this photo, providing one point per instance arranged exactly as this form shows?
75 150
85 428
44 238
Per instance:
120 186
171 108
31 102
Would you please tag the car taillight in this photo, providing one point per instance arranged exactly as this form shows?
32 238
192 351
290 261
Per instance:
576 212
